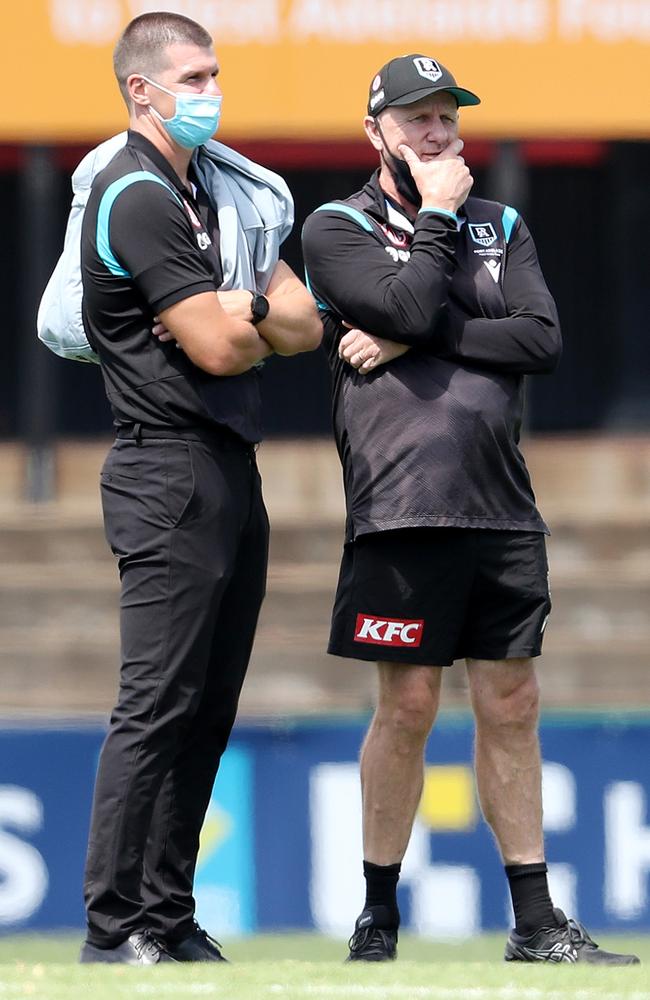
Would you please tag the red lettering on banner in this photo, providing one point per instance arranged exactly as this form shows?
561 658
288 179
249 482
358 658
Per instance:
389 631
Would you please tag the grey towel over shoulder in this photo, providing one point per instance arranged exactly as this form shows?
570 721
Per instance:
255 211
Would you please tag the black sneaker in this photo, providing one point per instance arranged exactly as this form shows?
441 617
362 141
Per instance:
197 947
140 948
568 941
370 943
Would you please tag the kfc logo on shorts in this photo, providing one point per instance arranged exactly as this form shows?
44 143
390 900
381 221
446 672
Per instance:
389 631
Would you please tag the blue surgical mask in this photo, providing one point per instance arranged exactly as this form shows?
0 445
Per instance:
196 118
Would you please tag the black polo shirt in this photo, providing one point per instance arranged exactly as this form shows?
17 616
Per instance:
147 243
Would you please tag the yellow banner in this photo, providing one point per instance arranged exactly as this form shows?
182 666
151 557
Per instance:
301 68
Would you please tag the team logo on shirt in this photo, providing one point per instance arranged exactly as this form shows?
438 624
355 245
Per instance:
194 219
494 269
397 239
427 68
202 237
483 233
402 255
389 631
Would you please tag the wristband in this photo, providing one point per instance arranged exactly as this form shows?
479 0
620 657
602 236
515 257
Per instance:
440 211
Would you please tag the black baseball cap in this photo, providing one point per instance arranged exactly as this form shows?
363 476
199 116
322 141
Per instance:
406 79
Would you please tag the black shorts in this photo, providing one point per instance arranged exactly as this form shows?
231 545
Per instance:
433 595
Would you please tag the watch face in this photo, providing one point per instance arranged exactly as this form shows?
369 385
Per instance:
259 308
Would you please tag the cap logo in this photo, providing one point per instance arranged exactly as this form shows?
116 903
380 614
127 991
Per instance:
376 83
428 68
376 98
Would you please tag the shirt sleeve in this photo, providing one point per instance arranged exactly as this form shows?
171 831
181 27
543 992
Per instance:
528 340
352 274
151 238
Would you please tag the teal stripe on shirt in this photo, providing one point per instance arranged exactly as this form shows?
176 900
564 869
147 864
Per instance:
354 213
508 220
102 239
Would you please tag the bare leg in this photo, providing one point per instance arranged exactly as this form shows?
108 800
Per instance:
392 758
505 699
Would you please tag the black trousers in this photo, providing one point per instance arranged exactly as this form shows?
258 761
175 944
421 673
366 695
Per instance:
187 522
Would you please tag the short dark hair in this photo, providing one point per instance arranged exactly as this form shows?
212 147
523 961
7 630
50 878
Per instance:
142 46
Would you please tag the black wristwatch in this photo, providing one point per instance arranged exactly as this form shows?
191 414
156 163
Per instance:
259 307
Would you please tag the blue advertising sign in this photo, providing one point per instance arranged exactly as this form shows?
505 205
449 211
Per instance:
224 886
46 784
287 803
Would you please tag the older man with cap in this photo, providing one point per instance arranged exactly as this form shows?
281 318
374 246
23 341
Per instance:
434 308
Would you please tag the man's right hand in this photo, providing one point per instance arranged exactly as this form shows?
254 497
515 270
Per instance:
443 182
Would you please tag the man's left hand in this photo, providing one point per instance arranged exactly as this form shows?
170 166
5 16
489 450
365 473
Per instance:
366 352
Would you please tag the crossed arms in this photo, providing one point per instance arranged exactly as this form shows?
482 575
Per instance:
214 329
390 308
216 332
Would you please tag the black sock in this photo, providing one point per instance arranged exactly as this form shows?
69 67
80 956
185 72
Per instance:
381 893
530 898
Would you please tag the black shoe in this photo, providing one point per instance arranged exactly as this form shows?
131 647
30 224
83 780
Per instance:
370 943
140 948
197 947
568 941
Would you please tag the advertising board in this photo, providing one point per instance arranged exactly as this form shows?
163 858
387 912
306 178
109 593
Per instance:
301 68
281 845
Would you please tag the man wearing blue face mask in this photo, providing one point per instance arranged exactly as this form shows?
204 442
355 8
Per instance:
180 490
196 118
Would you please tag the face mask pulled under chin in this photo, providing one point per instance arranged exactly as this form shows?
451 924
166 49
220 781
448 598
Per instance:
401 174
195 120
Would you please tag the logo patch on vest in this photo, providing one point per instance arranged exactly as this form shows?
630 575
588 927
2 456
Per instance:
389 631
483 233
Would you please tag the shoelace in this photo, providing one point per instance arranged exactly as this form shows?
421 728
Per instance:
148 945
578 935
364 936
143 944
207 937
359 938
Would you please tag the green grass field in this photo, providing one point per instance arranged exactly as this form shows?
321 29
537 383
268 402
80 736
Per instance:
308 967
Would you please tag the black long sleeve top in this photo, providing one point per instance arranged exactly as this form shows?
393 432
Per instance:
431 438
